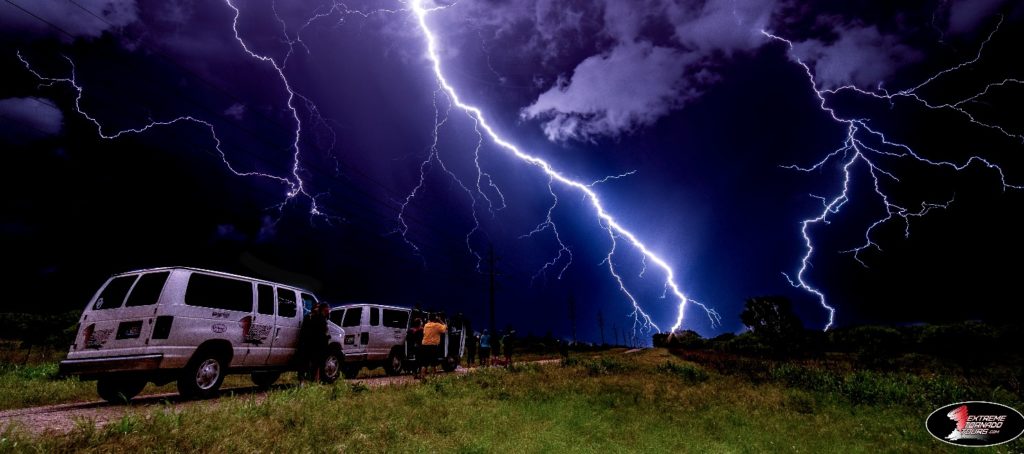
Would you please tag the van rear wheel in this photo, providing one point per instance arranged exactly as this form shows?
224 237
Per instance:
202 376
393 365
119 390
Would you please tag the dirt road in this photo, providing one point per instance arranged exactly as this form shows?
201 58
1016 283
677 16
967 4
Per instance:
63 418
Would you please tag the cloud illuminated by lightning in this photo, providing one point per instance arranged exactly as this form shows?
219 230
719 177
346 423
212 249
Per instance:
608 222
863 145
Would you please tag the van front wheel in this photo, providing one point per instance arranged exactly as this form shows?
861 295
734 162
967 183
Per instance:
119 390
332 367
202 376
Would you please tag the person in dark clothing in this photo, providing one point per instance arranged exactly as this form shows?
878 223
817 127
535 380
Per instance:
508 342
471 343
413 339
313 338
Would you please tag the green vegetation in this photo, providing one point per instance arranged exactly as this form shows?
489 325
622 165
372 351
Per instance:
649 401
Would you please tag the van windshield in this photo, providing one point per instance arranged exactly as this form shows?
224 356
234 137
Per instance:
352 317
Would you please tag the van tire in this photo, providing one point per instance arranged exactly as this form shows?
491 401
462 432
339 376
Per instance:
333 366
450 363
119 390
393 365
203 375
264 380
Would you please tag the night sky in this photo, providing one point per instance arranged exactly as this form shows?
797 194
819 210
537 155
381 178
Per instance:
696 108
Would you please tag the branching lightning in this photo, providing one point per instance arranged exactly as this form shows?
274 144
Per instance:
608 222
863 146
296 184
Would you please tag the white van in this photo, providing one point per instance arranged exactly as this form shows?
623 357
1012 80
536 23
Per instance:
190 325
375 337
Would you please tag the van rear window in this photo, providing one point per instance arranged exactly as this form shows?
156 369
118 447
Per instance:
147 290
115 291
219 293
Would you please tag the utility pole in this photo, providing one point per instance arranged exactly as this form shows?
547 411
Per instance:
572 315
490 261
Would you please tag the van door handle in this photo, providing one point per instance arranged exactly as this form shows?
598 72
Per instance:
276 332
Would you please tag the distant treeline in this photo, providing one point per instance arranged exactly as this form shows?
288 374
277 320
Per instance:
774 331
52 330
966 338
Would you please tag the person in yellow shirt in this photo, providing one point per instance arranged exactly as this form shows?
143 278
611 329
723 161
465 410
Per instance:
430 348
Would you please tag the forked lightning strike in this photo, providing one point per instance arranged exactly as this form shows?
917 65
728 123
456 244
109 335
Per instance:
862 145
608 222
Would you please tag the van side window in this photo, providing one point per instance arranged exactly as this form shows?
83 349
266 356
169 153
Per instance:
336 316
396 319
219 293
353 316
374 316
308 301
148 289
264 299
286 303
114 293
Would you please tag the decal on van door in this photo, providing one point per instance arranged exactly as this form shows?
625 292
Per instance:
254 333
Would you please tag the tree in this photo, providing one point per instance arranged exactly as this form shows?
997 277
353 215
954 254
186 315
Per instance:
772 319
600 324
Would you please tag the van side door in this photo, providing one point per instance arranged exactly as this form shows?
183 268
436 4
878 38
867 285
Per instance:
286 332
259 334
392 332
356 333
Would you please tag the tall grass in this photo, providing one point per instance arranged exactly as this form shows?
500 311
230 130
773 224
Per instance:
646 402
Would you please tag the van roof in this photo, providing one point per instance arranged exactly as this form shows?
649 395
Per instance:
383 306
218 273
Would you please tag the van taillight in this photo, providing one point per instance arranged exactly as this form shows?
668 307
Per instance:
162 328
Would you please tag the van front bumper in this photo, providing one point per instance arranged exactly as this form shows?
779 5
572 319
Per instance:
92 367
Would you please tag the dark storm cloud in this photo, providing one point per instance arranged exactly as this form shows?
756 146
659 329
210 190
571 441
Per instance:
635 82
861 56
29 119
964 16
67 16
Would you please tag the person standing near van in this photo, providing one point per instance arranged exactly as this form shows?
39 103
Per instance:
313 343
413 339
485 348
431 347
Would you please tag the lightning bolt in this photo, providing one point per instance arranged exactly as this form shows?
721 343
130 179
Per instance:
863 146
616 231
295 183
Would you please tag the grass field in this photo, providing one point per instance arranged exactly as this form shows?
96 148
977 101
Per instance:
649 401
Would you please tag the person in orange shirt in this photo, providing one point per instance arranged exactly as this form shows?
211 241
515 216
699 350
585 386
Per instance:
430 348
